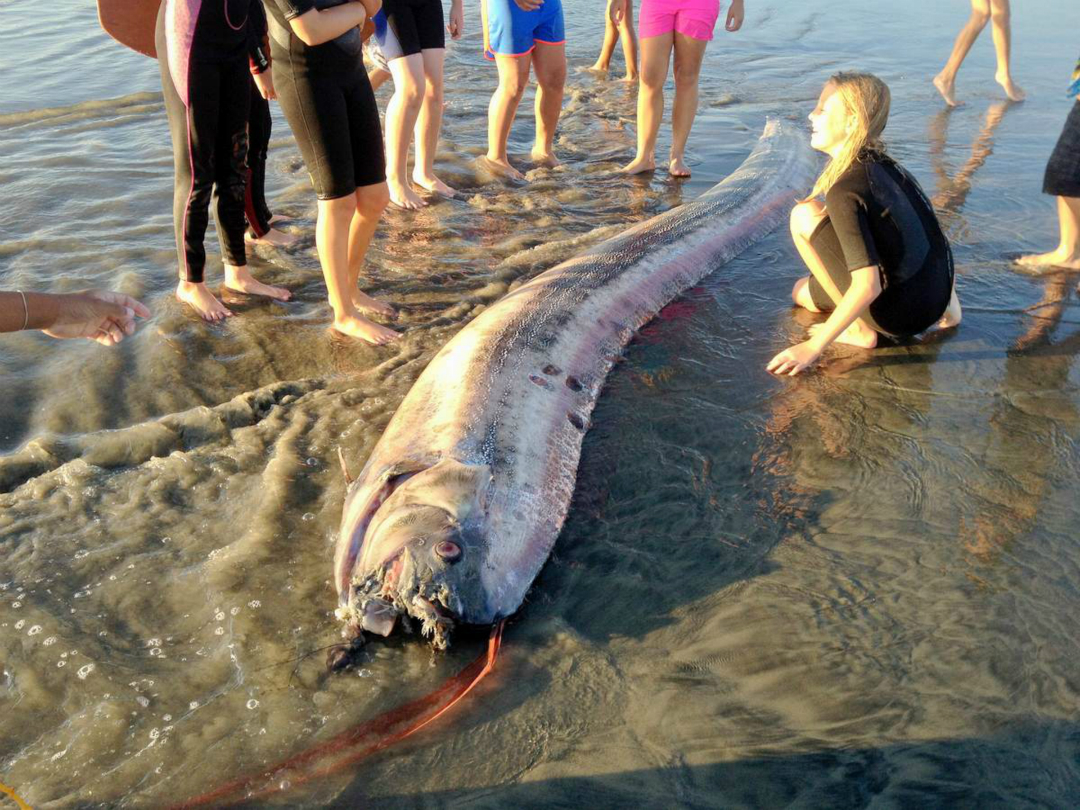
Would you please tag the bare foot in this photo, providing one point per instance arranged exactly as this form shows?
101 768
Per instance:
365 303
202 301
1056 258
953 313
678 168
639 165
542 157
1011 88
402 195
363 329
239 279
272 237
433 185
630 77
947 88
501 167
599 68
854 335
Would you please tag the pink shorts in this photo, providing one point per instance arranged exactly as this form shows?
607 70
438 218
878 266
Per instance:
694 18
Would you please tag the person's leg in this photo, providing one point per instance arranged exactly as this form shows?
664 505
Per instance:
549 61
611 36
945 81
401 114
805 219
1067 253
332 238
1001 30
378 77
371 201
259 122
655 53
429 123
513 79
687 67
230 181
629 43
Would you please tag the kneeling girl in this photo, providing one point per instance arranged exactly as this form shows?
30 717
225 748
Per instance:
878 259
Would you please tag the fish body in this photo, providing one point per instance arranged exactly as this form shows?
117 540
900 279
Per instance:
463 497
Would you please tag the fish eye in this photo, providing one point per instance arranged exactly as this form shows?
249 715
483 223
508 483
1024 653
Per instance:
448 550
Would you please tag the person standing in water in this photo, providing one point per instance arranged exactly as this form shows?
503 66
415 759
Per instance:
519 35
682 28
878 259
997 13
1062 180
411 38
204 52
324 91
619 22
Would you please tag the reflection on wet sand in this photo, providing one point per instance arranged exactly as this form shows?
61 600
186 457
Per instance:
1030 425
953 187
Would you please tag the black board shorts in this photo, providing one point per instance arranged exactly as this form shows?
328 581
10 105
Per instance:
417 25
335 120
1062 178
903 309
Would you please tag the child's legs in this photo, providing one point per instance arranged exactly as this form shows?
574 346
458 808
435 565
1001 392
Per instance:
1069 222
332 229
629 40
687 66
550 64
429 121
655 53
611 36
513 79
371 201
230 165
402 111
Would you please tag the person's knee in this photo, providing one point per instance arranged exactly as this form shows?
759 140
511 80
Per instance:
686 75
412 92
800 295
980 12
653 79
999 13
513 85
372 200
805 218
552 79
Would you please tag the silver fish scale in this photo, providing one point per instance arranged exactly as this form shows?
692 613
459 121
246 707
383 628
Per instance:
516 387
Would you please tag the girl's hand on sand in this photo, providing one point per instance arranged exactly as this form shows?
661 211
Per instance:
798 358
456 25
529 5
265 82
617 10
734 16
105 317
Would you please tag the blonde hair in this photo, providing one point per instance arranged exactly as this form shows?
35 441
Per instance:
867 98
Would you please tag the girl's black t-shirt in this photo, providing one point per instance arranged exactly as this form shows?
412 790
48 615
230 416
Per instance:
883 218
343 52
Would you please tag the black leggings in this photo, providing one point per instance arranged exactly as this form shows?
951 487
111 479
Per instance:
258 212
209 140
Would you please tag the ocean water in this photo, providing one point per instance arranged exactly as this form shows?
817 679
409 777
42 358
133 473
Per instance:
858 587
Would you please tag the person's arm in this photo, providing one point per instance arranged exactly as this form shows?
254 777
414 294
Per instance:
105 317
734 16
259 50
865 288
455 25
314 27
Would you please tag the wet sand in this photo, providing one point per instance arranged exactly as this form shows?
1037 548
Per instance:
858 587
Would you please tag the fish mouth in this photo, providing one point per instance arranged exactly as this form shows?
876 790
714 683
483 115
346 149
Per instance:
403 590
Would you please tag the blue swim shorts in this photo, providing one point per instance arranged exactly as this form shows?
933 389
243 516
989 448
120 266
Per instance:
513 32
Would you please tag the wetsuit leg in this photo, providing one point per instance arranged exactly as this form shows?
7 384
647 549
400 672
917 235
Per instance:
258 212
230 161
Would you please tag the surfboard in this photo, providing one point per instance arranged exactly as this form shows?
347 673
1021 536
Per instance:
130 22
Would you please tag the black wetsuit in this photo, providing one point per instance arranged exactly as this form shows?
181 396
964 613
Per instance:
878 216
259 123
327 99
206 53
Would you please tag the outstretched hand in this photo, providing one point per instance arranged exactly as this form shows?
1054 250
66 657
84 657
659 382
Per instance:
529 5
734 16
798 358
105 317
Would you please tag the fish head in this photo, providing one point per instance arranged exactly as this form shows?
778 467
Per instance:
421 554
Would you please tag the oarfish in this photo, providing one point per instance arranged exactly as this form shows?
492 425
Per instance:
461 501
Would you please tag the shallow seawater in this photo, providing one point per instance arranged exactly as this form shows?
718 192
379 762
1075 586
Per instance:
857 587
